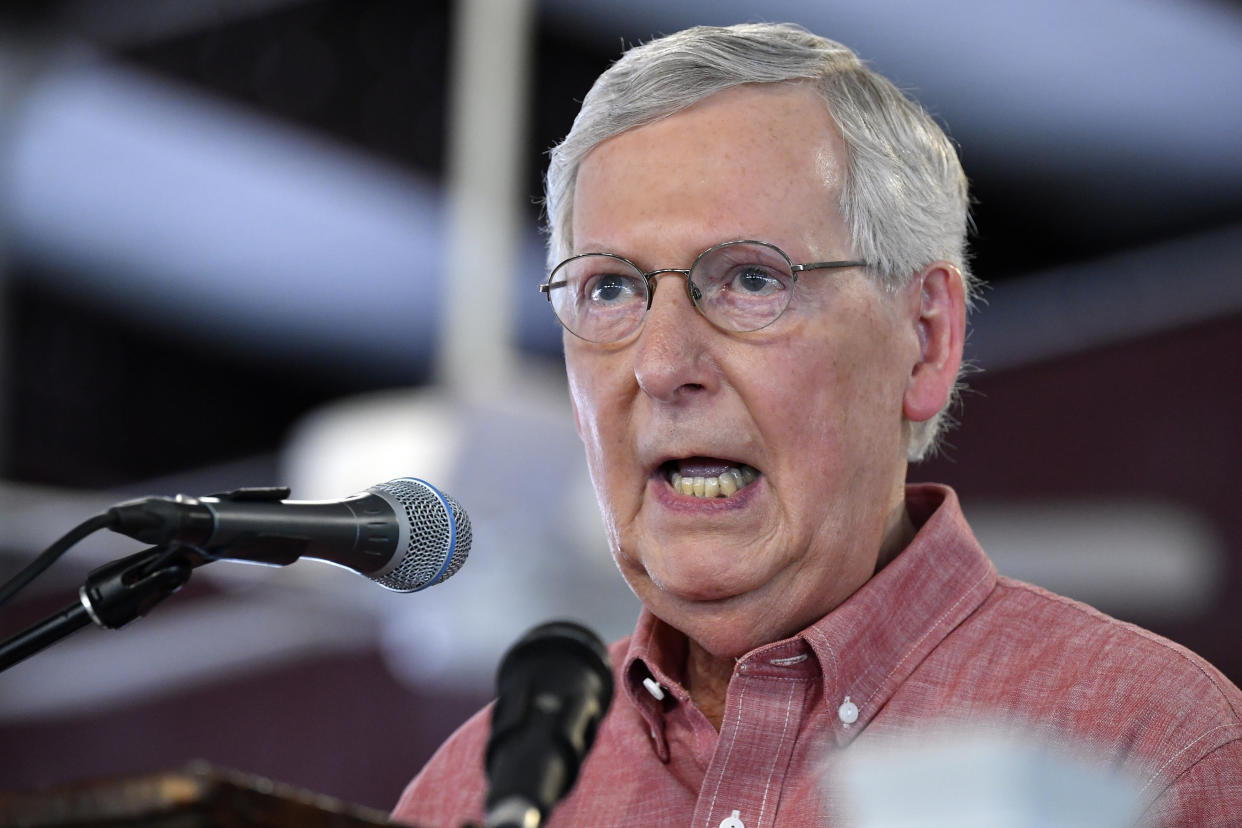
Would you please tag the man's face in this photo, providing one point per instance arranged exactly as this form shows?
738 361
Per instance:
812 404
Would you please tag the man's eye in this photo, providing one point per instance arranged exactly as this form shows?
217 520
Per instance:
754 280
611 289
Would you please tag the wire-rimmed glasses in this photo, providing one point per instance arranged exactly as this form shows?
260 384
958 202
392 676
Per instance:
738 286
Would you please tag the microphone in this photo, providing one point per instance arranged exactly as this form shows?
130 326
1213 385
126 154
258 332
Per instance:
553 688
405 535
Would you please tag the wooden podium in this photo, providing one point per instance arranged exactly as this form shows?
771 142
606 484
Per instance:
197 797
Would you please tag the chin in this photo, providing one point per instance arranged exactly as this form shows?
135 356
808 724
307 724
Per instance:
727 626
695 578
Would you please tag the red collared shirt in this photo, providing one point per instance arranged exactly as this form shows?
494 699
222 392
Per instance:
934 639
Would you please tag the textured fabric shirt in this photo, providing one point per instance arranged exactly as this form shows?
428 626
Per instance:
936 638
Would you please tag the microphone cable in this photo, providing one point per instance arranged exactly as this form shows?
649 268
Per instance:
50 555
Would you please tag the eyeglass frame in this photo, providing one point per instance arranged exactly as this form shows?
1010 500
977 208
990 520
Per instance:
650 278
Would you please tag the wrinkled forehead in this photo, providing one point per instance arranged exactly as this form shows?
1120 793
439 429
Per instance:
739 164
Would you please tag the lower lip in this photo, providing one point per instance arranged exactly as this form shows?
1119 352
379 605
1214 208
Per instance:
658 487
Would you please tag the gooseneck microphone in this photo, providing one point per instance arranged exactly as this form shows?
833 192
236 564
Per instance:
405 534
553 688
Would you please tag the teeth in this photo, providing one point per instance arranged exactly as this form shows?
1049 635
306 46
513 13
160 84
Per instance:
726 485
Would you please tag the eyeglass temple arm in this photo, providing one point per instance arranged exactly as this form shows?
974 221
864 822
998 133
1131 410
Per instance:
798 268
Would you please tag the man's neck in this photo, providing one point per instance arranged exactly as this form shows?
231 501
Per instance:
900 532
707 680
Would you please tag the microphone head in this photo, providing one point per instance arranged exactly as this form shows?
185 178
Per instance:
434 537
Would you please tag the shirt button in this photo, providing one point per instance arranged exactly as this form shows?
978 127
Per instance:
654 688
732 821
848 711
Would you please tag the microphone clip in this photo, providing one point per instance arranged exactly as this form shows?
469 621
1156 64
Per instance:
112 596
118 592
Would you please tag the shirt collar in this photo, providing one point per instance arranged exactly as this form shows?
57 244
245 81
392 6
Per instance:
868 645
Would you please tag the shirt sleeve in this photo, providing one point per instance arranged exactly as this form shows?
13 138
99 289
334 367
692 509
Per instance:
1207 795
449 791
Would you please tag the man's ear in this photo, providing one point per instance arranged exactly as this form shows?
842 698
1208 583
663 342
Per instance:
942 334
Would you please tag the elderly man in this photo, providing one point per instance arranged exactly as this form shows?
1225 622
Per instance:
760 267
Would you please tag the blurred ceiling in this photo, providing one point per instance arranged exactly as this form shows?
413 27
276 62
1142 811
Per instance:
1115 121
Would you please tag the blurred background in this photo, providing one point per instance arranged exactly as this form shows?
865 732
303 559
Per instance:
255 242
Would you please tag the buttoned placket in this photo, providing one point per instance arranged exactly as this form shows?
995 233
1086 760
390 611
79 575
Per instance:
764 711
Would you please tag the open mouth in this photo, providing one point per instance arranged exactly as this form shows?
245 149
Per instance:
708 477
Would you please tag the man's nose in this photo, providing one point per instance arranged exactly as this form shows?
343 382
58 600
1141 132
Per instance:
674 344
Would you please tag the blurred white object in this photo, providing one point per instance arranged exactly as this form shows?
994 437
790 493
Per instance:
1141 558
981 778
515 465
489 85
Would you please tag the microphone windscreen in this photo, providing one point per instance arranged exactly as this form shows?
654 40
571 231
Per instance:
434 535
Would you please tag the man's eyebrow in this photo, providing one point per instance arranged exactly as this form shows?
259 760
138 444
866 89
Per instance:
594 247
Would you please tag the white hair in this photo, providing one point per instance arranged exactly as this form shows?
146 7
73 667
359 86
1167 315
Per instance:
905 199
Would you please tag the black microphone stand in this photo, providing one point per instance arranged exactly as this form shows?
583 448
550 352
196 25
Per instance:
112 596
